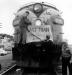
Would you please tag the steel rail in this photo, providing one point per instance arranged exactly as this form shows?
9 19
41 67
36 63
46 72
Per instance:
8 69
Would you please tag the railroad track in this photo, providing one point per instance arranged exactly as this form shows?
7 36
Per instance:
5 72
15 70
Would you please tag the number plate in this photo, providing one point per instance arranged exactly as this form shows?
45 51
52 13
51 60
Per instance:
39 29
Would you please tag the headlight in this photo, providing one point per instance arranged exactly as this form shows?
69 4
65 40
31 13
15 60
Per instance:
58 21
38 7
38 22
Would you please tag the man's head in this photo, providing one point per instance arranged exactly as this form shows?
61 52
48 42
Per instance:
26 13
47 37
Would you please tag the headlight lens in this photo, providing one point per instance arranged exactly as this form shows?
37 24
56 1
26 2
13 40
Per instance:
59 21
38 7
38 22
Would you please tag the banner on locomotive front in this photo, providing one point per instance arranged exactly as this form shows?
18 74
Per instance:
38 33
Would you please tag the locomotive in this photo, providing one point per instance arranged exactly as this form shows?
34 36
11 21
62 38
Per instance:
38 36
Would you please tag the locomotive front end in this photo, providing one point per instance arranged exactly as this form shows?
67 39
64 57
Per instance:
38 33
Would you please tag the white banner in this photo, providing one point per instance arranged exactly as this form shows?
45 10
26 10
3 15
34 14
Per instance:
39 31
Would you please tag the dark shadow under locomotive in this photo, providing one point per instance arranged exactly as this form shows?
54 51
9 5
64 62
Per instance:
44 55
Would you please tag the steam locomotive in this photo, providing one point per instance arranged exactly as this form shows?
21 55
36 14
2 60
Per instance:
37 37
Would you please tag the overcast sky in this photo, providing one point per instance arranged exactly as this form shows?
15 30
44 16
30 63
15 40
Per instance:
9 7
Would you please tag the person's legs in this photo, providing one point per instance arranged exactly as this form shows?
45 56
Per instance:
69 67
24 35
68 64
0 66
64 67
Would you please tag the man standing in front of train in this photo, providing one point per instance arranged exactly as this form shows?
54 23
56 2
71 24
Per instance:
24 22
66 56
